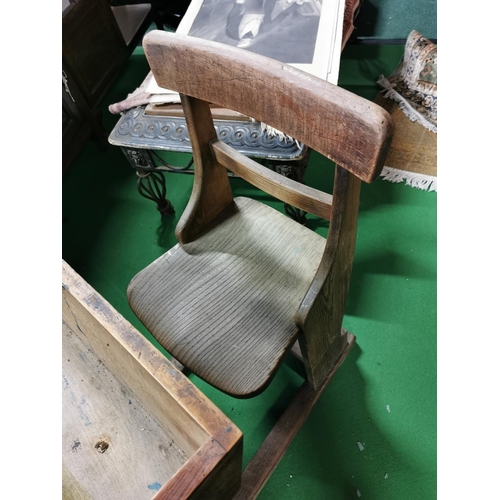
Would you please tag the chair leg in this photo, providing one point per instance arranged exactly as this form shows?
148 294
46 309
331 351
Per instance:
322 310
281 436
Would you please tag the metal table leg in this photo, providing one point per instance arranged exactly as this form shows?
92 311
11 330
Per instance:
150 180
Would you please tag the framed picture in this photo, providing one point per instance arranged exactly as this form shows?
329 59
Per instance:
306 34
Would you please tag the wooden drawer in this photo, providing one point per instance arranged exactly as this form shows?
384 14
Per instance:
134 427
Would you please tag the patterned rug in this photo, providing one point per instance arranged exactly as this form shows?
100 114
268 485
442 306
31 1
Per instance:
410 96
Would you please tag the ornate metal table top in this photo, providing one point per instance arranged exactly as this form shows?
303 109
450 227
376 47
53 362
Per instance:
135 129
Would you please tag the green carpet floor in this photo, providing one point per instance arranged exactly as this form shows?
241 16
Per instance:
395 19
373 432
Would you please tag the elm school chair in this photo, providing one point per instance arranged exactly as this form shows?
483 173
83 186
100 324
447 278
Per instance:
245 282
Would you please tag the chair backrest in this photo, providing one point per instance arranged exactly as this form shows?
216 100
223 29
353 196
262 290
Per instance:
349 130
352 131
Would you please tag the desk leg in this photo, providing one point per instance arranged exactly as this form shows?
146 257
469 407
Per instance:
150 182
293 170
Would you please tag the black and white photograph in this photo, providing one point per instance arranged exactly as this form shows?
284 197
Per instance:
285 30
305 34
301 33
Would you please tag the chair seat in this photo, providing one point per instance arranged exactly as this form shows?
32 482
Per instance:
224 304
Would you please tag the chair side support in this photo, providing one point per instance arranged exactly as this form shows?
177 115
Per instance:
211 194
321 312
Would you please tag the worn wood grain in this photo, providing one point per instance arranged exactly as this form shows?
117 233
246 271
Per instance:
199 480
350 130
90 315
211 193
176 110
224 304
322 310
193 422
287 190
111 446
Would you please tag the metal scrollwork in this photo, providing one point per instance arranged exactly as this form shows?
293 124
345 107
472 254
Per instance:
152 186
135 129
139 158
140 136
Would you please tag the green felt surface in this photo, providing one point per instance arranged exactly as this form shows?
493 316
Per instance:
395 19
383 399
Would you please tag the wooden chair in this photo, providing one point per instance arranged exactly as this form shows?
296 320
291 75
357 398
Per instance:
245 281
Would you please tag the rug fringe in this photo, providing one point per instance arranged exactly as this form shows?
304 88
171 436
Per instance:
410 112
419 181
274 131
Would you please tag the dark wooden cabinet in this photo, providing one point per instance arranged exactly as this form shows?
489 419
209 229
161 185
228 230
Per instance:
95 47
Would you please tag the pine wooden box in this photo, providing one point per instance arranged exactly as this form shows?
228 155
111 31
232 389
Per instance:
134 427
